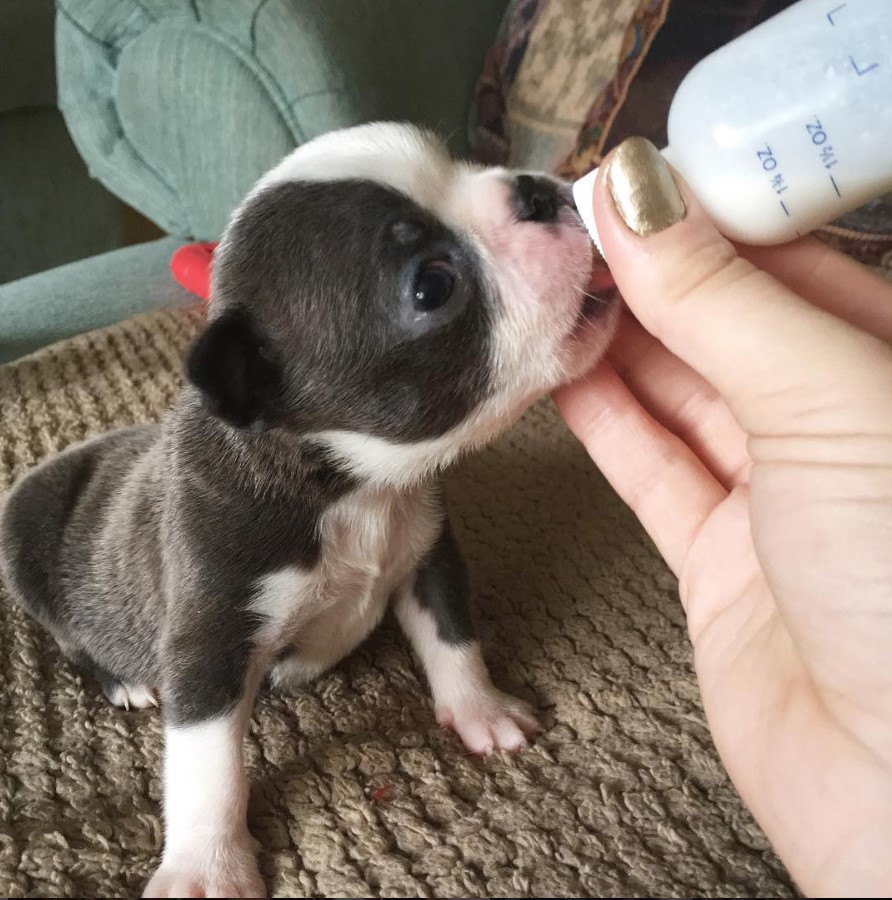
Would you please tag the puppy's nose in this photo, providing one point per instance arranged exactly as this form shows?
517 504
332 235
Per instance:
536 199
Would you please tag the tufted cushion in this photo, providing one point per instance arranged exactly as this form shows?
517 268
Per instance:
179 105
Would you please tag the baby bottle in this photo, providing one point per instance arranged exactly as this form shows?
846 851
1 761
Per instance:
789 125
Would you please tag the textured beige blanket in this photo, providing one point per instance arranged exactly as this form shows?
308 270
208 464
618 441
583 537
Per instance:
355 790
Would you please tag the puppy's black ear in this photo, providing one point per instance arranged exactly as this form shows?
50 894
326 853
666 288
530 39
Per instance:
232 366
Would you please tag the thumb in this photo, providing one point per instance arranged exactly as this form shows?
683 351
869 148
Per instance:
782 365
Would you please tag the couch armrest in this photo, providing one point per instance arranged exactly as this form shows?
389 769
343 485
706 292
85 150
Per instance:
178 106
87 294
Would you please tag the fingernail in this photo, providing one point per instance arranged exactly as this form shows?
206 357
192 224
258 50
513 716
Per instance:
642 187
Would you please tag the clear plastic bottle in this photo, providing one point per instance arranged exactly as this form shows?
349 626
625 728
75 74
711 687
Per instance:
789 125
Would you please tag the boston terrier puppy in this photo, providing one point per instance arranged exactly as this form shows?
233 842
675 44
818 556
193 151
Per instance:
377 310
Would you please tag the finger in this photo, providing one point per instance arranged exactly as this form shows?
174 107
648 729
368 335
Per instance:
782 365
660 478
831 281
681 400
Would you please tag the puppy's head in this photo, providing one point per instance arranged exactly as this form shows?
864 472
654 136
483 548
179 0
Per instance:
395 305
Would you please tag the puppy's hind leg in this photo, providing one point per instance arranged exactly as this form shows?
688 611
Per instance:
118 692
33 517
132 696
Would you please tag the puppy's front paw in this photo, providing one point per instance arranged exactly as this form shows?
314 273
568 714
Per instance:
227 871
488 720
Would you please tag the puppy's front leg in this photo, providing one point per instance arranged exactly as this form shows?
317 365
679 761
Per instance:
207 702
432 607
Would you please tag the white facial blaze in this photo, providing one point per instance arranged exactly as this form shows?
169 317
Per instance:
405 158
539 271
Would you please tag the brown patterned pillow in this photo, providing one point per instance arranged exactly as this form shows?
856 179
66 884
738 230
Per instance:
534 104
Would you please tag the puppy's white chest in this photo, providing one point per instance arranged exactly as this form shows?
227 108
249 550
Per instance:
370 542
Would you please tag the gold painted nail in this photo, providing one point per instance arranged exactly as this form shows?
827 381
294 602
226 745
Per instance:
642 187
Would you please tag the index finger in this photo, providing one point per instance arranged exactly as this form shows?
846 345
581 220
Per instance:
782 365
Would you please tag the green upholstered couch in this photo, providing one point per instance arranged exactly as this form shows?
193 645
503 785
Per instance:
177 106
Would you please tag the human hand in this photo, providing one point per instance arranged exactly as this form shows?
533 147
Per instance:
748 424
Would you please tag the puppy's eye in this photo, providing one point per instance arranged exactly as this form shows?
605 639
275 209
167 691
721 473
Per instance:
434 285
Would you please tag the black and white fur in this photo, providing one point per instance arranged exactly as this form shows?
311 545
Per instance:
377 310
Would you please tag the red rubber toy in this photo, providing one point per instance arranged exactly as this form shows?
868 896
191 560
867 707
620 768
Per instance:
191 268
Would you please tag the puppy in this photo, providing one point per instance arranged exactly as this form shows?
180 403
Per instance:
378 309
